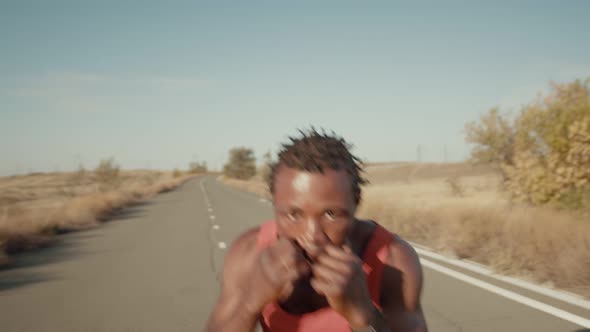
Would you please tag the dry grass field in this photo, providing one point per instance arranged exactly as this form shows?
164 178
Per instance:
35 207
461 210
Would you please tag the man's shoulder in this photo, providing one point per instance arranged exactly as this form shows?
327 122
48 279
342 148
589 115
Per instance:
402 278
401 254
240 256
246 242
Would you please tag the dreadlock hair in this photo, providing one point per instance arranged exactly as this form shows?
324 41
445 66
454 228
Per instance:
316 152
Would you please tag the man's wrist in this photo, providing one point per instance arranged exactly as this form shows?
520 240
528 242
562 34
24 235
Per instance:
363 318
369 320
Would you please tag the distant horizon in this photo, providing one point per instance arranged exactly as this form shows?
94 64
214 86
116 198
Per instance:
167 85
90 169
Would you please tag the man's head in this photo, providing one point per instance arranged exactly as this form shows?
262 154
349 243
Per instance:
316 187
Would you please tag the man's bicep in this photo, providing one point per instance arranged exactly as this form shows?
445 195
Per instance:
403 289
238 261
236 266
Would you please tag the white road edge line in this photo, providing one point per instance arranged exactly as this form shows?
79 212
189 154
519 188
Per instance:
205 193
473 267
510 295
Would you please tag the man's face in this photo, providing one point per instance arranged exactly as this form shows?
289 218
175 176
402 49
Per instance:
314 209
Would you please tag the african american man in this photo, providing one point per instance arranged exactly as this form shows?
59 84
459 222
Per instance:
316 267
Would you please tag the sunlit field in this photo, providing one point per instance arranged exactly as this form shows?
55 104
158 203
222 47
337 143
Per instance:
461 210
35 207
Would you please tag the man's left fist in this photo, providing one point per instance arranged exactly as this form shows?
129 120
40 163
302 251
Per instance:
338 275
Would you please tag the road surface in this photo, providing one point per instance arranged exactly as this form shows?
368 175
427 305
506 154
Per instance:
155 268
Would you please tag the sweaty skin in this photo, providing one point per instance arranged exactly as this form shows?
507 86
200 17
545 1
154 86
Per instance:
302 182
315 262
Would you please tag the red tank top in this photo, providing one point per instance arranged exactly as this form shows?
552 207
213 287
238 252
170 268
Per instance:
275 319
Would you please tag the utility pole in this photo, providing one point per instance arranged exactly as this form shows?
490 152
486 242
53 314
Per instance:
419 153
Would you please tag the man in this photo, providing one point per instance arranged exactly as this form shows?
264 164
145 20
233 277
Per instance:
316 267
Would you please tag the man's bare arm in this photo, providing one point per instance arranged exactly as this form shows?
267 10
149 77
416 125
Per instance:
231 312
401 289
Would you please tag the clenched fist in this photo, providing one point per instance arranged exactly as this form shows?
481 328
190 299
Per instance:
339 276
276 269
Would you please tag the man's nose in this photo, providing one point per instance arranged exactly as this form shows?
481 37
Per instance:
314 232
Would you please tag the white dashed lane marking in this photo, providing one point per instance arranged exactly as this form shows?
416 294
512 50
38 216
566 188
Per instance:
222 245
212 217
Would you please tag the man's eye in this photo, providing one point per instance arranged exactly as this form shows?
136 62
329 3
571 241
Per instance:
330 215
293 216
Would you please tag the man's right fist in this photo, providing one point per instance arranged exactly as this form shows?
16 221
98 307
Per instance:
275 270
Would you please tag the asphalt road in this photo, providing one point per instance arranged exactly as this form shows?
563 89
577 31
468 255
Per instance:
155 268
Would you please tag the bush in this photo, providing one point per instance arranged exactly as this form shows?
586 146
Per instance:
79 177
177 173
107 172
241 164
196 167
455 185
549 148
493 137
266 167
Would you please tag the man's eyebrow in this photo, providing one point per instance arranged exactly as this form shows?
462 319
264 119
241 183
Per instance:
342 210
289 207
336 207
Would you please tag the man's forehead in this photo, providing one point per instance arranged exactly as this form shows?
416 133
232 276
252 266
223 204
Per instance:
302 181
333 184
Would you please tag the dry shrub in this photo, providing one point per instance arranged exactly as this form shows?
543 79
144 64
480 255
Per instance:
545 153
241 164
556 176
197 167
177 173
493 137
107 174
538 243
454 183
79 177
264 171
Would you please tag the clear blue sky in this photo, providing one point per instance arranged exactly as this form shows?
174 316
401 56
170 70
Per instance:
157 85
